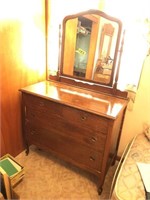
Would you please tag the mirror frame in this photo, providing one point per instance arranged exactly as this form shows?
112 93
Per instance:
110 89
81 81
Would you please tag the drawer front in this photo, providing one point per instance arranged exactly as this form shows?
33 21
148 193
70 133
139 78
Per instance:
42 105
66 147
86 119
71 115
67 128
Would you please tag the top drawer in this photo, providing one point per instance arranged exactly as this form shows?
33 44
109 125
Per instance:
42 105
70 114
86 119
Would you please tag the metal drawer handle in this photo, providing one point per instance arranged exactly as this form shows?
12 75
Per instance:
33 132
92 159
83 118
93 139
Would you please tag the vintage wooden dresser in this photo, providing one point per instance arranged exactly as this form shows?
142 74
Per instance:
78 125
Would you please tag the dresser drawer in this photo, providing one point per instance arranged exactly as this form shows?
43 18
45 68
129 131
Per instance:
68 148
67 128
72 115
85 119
39 104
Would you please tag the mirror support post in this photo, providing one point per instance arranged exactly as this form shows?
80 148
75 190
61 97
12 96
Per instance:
46 37
119 62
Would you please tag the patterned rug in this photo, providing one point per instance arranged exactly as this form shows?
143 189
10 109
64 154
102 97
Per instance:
47 177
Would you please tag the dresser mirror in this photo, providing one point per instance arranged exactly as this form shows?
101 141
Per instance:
90 45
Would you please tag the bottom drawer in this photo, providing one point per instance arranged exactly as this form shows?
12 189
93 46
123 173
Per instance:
67 148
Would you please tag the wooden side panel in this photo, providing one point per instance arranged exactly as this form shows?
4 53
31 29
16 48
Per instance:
22 62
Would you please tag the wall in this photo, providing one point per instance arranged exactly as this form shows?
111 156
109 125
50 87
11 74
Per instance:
22 62
139 115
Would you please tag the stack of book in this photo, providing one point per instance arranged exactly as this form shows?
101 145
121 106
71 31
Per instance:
12 168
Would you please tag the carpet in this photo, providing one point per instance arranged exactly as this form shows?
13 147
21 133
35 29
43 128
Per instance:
49 178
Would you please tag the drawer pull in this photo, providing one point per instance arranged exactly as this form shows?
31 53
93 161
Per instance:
83 118
33 132
92 159
93 139
41 104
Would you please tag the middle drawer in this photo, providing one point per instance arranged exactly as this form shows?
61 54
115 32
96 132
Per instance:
87 119
65 146
83 134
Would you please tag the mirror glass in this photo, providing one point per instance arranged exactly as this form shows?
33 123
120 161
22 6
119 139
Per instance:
90 43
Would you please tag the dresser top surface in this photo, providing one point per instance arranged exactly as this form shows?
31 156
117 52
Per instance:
101 104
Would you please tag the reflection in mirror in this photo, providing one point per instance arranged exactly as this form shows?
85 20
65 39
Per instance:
90 47
105 60
80 46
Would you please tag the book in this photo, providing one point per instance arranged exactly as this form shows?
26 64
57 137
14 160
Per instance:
12 168
5 184
9 166
16 165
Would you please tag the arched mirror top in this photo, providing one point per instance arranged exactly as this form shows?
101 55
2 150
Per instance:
90 43
89 52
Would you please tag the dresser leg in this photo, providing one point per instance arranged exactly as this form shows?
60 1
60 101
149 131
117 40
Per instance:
27 151
113 162
100 189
